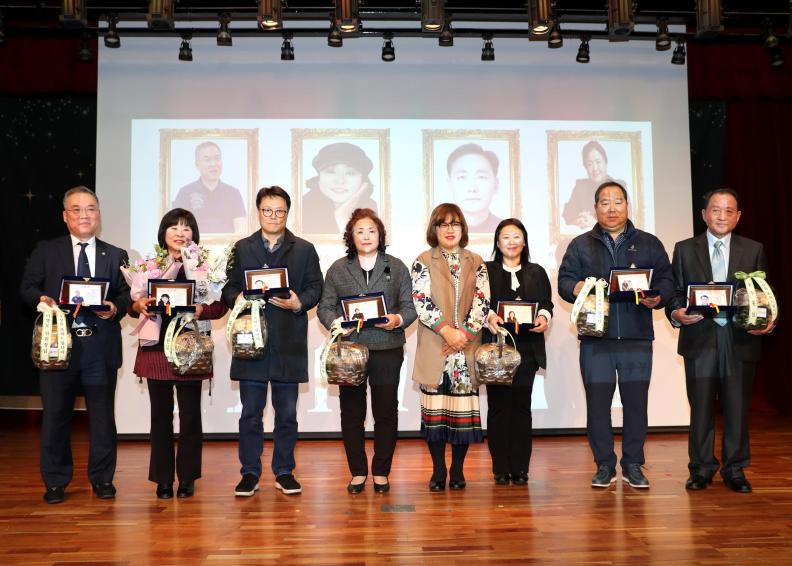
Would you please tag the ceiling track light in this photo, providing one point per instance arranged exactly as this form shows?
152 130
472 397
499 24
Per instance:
160 14
85 54
223 32
488 50
539 18
584 53
663 40
334 38
111 37
185 51
432 15
346 14
388 50
679 56
709 18
287 49
74 14
555 40
446 38
270 14
621 19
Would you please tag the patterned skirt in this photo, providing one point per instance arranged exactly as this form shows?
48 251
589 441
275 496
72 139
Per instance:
448 416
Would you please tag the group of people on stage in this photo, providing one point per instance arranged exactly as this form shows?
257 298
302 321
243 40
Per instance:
449 290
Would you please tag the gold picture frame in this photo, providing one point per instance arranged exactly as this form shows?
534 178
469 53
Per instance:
169 136
485 139
635 187
327 136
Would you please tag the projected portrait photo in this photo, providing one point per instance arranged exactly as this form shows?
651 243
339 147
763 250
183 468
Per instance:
476 169
212 173
336 171
580 161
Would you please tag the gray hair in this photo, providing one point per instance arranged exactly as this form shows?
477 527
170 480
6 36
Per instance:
79 189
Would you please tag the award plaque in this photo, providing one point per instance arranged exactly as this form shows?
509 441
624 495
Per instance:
267 282
87 292
369 308
517 315
709 299
630 284
172 295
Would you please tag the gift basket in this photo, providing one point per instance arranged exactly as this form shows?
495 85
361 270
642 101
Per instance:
187 349
52 339
497 362
343 363
754 309
590 312
247 333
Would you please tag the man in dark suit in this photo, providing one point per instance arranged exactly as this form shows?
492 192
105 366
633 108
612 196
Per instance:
96 346
720 358
285 364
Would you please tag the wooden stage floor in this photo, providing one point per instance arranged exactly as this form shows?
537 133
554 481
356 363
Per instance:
556 519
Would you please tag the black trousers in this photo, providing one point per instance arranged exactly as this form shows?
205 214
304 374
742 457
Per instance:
186 462
509 427
735 392
383 369
58 392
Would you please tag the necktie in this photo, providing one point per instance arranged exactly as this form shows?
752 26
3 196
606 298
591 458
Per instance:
83 267
719 274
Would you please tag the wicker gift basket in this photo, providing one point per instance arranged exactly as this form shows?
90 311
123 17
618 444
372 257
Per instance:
754 309
343 363
590 312
188 350
497 362
247 333
52 341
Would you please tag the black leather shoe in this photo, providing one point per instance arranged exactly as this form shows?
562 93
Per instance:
457 484
164 491
55 495
104 490
696 482
354 488
520 479
634 477
382 487
502 479
186 489
604 477
437 485
738 483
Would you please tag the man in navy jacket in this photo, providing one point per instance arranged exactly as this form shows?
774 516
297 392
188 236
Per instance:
285 364
626 348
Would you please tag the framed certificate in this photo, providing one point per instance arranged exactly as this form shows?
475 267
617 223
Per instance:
171 294
709 299
267 282
517 313
88 292
624 282
370 308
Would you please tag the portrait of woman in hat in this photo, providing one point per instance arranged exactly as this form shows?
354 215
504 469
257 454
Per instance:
341 185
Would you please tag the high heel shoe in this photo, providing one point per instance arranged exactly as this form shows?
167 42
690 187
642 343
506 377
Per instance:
164 491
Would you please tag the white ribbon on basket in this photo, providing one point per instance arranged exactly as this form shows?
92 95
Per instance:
599 286
62 328
503 332
753 303
172 333
255 306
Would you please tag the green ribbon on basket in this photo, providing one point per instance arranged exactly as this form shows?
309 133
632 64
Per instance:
46 332
753 304
255 306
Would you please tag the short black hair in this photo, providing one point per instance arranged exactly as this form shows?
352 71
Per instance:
273 191
607 184
174 218
473 149
724 191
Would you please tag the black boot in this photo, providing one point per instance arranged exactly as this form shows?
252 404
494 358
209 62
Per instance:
437 450
458 453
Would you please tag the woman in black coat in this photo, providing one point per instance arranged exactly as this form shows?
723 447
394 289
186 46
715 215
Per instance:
513 277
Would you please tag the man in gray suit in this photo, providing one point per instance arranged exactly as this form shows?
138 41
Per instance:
720 358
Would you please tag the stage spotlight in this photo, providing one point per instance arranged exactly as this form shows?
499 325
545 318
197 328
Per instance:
334 38
74 14
583 54
185 51
111 38
620 19
678 58
776 56
446 38
85 54
223 33
287 49
555 40
388 51
708 18
539 17
346 13
270 14
488 51
432 15
160 14
663 40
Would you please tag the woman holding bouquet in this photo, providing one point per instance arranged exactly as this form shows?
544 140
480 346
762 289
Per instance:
368 269
177 229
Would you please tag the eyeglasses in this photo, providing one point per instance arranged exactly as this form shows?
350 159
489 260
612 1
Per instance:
88 210
279 212
450 226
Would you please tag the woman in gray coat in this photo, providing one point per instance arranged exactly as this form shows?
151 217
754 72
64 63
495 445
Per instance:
368 269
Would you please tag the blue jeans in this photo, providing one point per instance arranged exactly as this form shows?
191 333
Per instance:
251 427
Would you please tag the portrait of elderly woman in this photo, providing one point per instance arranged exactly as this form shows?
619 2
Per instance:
579 209
341 185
